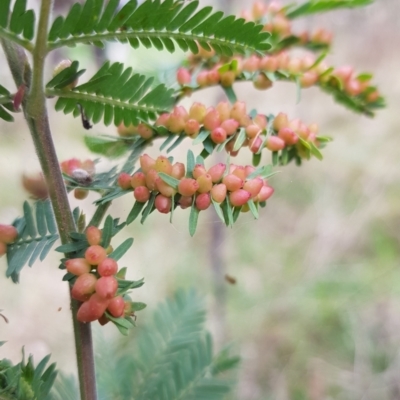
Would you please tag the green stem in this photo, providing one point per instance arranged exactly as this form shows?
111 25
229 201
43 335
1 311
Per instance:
35 112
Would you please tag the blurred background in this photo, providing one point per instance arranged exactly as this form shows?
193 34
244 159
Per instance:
315 311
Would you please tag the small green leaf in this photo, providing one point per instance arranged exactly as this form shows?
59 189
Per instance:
107 232
112 148
121 249
138 306
315 151
202 136
256 159
149 208
190 163
136 209
193 219
177 142
241 138
218 210
253 208
230 94
169 180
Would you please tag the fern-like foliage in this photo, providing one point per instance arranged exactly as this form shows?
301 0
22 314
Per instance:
318 6
37 233
113 94
171 359
157 24
24 381
17 24
6 105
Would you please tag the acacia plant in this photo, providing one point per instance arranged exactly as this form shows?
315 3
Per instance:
255 47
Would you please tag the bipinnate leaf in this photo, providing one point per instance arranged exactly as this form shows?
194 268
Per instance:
25 381
171 358
17 23
36 235
159 24
115 95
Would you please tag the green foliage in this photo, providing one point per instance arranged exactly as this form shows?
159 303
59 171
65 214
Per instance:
6 105
170 359
318 6
24 381
37 233
114 95
17 24
156 24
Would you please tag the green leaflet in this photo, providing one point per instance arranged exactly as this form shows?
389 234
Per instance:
17 24
36 235
317 6
114 95
157 24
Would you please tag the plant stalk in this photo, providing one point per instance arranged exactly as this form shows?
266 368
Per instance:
35 111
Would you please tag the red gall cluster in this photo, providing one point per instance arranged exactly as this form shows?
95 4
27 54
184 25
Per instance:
204 186
275 20
82 172
304 68
225 121
8 235
96 284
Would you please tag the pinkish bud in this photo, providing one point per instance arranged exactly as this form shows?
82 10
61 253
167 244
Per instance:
213 77
146 163
269 64
251 64
218 192
217 172
261 121
93 235
78 266
83 287
239 197
163 204
212 119
144 131
252 131
280 121
238 110
230 126
253 186
141 194
151 178
275 143
202 78
255 144
239 171
218 135
308 79
224 109
187 186
165 189
198 111
183 76
124 181
162 120
232 182
192 127
262 82
178 170
185 202
203 201
163 165
265 193
138 179
205 183
288 136
198 171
